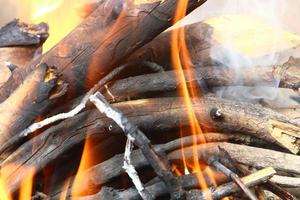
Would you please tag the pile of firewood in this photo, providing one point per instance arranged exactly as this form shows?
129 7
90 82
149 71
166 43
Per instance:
110 84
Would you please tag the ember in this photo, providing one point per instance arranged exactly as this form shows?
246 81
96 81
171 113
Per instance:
135 104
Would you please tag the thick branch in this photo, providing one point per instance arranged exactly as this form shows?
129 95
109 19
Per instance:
153 84
251 156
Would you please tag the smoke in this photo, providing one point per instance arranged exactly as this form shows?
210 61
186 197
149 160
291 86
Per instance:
251 33
8 11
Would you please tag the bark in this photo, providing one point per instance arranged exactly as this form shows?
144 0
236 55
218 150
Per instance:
38 90
115 30
151 116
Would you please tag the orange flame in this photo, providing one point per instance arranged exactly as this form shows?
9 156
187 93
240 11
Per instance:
25 191
63 195
180 59
26 185
86 162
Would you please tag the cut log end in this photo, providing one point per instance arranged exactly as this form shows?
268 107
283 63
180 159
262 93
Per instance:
287 135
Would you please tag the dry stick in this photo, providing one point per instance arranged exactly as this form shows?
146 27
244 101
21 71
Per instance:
130 170
188 181
231 188
285 181
139 138
220 167
38 125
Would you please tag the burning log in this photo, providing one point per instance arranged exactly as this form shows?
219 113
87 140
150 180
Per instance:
111 39
40 88
199 40
136 136
207 77
150 115
20 42
102 173
128 32
188 181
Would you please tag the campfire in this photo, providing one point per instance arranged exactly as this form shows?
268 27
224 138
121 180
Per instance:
127 99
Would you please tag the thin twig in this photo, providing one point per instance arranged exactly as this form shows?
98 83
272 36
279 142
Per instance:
231 188
159 164
132 173
61 116
220 167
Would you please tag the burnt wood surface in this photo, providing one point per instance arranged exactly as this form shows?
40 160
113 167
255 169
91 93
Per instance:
17 33
28 101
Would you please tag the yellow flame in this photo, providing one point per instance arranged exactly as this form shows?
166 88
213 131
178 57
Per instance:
43 7
62 16
180 58
4 195
26 185
63 195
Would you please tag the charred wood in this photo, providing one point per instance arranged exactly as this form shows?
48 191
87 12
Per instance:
187 181
101 173
158 161
17 33
26 103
